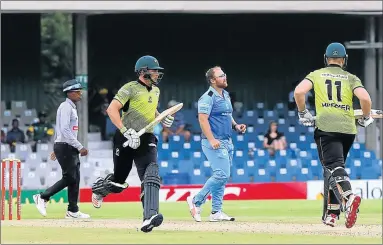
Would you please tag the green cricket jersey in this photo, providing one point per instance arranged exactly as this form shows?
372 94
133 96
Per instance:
139 104
333 88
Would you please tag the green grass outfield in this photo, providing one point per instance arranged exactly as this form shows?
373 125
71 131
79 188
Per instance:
256 222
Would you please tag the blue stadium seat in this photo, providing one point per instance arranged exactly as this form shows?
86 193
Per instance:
284 175
239 176
262 176
240 156
176 142
368 155
197 177
165 167
196 143
185 166
251 167
176 179
250 117
373 172
305 174
240 141
271 167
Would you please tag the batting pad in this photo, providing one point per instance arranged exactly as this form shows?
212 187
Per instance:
151 191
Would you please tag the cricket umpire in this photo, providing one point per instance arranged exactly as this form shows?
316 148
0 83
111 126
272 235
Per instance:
66 150
138 101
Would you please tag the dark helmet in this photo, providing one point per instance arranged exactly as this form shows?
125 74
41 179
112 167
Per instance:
336 50
72 85
146 63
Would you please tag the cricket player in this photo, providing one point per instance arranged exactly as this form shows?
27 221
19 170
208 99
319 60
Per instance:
138 101
216 121
335 128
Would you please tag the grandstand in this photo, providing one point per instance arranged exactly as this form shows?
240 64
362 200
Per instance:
184 163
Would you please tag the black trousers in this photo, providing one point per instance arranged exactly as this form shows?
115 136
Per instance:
68 158
333 147
123 157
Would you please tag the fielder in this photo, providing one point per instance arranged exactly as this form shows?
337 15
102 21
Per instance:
335 128
138 101
216 121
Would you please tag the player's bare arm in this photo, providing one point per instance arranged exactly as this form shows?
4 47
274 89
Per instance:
238 127
300 93
365 100
114 113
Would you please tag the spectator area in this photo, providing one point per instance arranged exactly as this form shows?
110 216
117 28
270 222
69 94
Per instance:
185 163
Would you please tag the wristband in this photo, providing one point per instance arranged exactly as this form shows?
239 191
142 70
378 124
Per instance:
234 125
123 130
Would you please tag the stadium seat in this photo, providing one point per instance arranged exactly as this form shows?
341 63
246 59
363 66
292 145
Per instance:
262 176
304 174
284 175
197 177
373 172
176 179
271 167
176 142
18 107
165 167
240 176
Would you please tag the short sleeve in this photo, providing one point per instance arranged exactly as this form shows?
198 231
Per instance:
205 104
124 94
355 83
311 77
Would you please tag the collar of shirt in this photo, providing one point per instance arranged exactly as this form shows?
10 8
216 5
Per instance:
71 103
143 84
215 92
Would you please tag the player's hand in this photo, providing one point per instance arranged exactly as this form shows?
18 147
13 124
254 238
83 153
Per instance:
240 128
83 152
215 143
365 121
168 121
133 138
306 118
53 156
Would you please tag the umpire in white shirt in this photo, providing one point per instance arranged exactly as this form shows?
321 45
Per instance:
66 150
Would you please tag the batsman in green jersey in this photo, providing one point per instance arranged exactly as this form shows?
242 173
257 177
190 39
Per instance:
138 101
335 129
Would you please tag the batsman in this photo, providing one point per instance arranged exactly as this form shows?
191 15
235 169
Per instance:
138 101
335 128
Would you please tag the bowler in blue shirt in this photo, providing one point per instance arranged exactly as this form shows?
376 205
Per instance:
216 121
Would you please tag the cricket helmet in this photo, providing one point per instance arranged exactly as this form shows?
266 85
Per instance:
146 63
336 50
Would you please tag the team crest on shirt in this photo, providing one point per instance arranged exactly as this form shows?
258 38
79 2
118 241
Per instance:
150 100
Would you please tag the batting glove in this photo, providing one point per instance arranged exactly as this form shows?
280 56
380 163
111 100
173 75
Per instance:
365 121
133 139
306 118
168 121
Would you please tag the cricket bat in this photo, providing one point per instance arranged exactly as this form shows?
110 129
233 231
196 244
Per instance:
158 119
374 113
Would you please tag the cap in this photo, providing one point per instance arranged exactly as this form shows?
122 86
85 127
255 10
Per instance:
72 85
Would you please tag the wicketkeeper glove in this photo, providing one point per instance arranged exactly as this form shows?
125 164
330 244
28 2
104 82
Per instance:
306 118
132 137
168 121
365 121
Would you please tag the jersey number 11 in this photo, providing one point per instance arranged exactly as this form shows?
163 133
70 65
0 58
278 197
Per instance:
338 85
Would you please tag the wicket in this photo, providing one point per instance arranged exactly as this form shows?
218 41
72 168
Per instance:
10 188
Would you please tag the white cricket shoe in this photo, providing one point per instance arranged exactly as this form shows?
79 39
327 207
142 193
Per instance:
41 204
331 220
77 215
352 208
154 221
97 200
194 210
220 216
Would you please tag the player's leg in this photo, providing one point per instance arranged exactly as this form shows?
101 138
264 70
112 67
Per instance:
148 172
73 193
353 202
225 161
336 181
114 182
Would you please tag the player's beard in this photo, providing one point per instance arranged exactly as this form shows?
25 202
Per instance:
222 84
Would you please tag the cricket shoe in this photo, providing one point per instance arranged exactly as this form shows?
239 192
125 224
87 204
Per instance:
352 208
41 204
154 221
194 210
331 220
220 216
76 215
97 200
